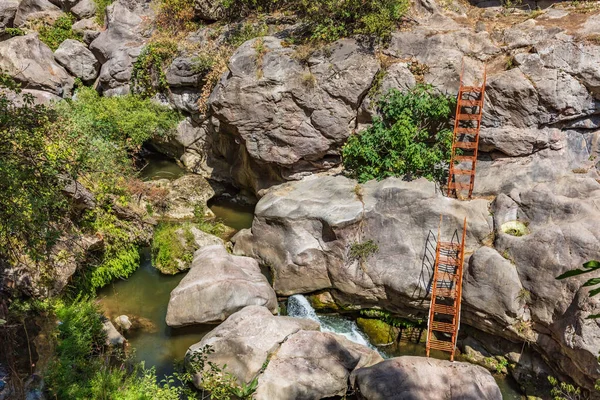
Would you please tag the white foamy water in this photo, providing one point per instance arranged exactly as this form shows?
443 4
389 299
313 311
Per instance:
298 306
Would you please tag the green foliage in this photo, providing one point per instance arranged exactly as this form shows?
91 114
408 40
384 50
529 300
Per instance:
239 8
32 156
564 391
148 76
84 368
333 19
210 226
12 32
120 257
412 137
168 247
246 31
362 250
389 319
217 381
53 35
176 16
101 10
588 267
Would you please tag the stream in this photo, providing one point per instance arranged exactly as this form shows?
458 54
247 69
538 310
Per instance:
145 296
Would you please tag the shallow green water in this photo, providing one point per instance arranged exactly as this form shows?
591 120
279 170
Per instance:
144 296
234 215
159 167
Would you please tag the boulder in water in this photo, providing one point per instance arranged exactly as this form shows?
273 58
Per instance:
123 322
218 285
113 337
245 341
313 365
417 378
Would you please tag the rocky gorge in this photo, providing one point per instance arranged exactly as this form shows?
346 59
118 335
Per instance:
271 129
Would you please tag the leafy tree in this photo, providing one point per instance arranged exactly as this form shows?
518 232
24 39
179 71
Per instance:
412 137
588 267
32 161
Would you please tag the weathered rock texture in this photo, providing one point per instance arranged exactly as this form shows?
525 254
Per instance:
313 365
245 340
78 60
32 63
218 285
278 118
305 232
416 378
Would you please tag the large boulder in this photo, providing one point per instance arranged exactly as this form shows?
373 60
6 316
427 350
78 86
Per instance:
313 365
119 45
30 10
84 9
416 378
246 340
218 285
32 63
296 115
308 231
8 10
78 60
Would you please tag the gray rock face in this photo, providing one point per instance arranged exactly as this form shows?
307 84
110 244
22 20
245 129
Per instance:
84 9
31 62
113 337
218 285
78 60
30 10
120 44
245 340
416 378
123 322
8 10
313 365
310 227
209 10
295 117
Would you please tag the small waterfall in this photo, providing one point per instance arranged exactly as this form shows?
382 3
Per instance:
298 306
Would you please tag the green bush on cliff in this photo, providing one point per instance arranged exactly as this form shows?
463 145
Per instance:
412 137
61 30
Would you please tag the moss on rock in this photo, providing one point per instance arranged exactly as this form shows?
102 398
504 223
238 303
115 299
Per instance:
378 332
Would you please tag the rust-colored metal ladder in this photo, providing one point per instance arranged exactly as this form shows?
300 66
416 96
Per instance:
446 293
465 141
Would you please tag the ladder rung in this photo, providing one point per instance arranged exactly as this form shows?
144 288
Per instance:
443 309
442 327
448 260
459 186
469 89
449 246
444 292
441 345
465 145
469 103
464 158
463 171
466 131
468 117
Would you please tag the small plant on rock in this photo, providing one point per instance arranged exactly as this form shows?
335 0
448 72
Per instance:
362 250
148 75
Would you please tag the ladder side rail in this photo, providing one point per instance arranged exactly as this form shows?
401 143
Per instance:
458 300
476 152
433 296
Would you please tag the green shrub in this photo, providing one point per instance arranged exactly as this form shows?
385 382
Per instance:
148 76
246 31
84 368
101 10
176 16
53 35
12 32
412 137
362 250
168 247
32 154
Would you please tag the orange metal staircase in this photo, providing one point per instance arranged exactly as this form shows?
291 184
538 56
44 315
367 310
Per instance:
465 142
446 293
